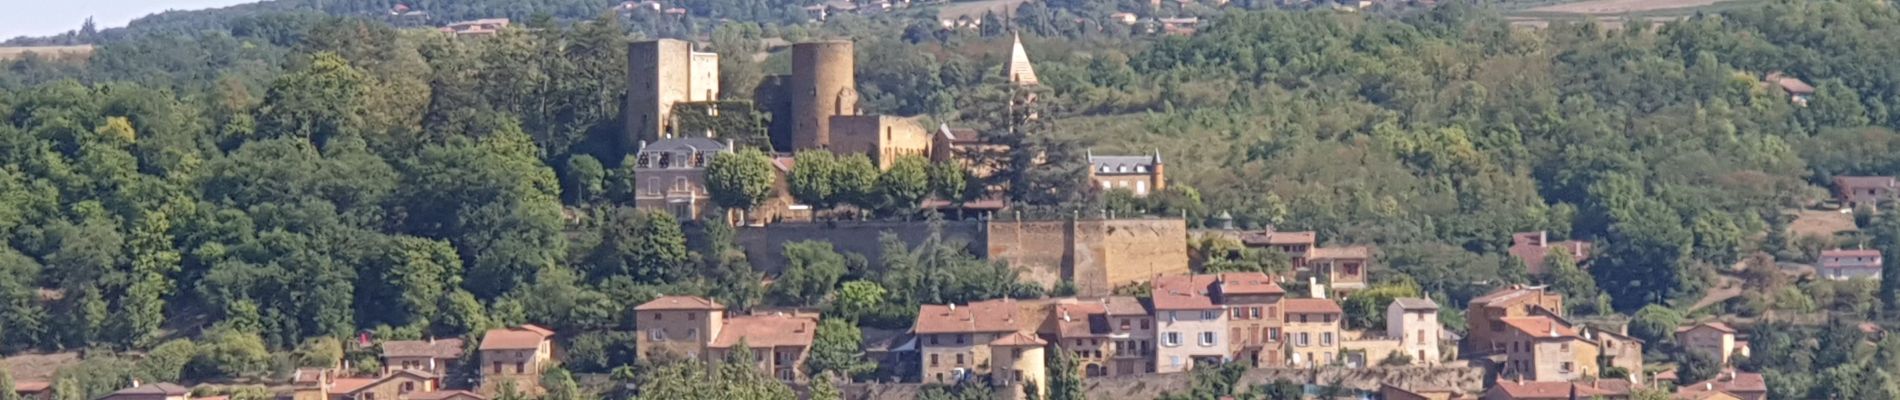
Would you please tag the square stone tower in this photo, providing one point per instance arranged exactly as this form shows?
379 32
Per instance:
660 73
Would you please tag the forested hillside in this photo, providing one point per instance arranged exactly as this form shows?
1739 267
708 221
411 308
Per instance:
259 177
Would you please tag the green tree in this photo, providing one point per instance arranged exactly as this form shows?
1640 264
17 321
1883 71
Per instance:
948 182
1064 376
321 352
811 179
837 348
1366 309
6 380
166 363
1886 232
822 388
1655 323
586 179
227 353
902 187
812 269
855 182
560 385
741 180
1578 287
322 100
645 245
856 298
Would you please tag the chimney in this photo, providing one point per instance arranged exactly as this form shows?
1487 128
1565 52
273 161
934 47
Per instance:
731 146
1553 329
953 306
1708 386
1543 238
1065 316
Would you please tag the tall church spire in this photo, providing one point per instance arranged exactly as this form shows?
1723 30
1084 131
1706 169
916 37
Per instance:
1019 70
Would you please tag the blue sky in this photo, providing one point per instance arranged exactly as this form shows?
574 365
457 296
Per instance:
46 17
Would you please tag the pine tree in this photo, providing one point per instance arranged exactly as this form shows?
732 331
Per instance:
1065 380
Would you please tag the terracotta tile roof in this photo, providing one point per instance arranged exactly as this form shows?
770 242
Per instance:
1415 303
767 331
1731 382
1084 319
1541 327
162 388
1312 306
1506 295
679 303
1248 283
31 386
445 395
1278 238
526 337
1850 253
1337 253
1019 339
983 316
1789 83
440 348
309 376
1182 293
1716 325
1124 306
351 385
1548 391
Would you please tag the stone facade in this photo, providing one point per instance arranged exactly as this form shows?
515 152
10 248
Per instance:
883 138
1141 175
670 175
1485 331
1714 340
1414 322
823 84
1312 332
660 73
515 355
1546 349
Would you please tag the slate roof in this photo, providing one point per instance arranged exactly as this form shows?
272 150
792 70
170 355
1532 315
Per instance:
686 145
1115 164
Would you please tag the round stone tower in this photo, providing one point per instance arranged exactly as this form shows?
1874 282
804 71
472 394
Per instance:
823 84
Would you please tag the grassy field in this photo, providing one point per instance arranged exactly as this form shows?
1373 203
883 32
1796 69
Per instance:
975 9
1616 13
10 53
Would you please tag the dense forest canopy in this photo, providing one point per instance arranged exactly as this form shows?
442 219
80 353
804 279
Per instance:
271 173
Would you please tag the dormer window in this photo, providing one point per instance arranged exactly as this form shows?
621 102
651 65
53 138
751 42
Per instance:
1123 168
666 160
699 160
1141 168
645 161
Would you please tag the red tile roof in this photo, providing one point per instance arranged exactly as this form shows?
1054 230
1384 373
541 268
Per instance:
1541 327
1340 253
983 316
1732 382
1083 319
351 385
767 331
162 388
1549 391
526 337
1195 292
1248 283
679 303
1018 339
1124 306
1312 306
1505 296
1855 182
31 386
1850 253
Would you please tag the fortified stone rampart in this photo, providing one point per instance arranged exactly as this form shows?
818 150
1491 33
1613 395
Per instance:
1096 254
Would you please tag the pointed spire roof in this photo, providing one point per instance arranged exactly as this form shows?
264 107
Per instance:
1019 71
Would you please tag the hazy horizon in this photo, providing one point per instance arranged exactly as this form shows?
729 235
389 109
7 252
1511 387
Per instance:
43 18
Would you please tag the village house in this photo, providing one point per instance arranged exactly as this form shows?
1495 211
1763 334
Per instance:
1486 331
1312 332
1619 350
778 342
1714 340
1600 389
154 391
1546 349
1842 265
1390 391
953 342
1018 361
1534 247
1188 324
1414 322
1740 385
397 385
1140 175
1253 302
678 325
447 395
515 355
1798 91
1294 244
435 356
1111 336
33 390
310 384
1868 191
1339 268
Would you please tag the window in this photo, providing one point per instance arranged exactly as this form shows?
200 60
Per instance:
407 387
959 359
521 367
1302 318
689 316
1141 187
1565 347
1256 312
1326 338
497 367
1240 313
959 339
1421 336
1124 324
1566 367
1352 269
659 316
1304 339
1018 353
1210 314
1171 339
1273 334
1144 324
933 340
933 363
1171 316
692 333
657 335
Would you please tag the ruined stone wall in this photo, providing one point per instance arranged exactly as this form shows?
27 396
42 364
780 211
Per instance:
1039 250
1137 250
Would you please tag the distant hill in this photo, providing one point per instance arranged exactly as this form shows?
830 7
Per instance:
427 12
